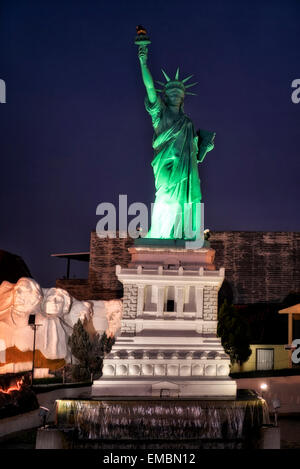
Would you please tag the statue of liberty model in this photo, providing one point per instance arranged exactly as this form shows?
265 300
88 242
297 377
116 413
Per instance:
178 149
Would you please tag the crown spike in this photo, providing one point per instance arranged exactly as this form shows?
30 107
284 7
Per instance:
166 76
191 94
177 74
187 78
160 82
159 91
192 84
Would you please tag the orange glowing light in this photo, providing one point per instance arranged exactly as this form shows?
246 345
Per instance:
17 387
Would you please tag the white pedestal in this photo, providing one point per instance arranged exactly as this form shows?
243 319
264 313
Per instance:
168 345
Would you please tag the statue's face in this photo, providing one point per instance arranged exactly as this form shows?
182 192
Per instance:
26 300
26 296
174 96
54 305
82 310
57 302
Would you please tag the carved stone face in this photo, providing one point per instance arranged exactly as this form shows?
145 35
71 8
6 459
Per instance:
82 310
57 302
27 297
6 296
113 315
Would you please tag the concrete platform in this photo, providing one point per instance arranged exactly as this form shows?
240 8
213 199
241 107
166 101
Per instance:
206 388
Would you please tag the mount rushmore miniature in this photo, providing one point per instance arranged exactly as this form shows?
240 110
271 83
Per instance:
55 313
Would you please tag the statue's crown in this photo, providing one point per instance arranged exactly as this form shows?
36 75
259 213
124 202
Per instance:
175 83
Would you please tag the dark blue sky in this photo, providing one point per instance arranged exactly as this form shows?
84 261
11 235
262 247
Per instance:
74 131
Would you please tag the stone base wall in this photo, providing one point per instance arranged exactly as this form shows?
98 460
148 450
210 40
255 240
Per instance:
130 301
210 303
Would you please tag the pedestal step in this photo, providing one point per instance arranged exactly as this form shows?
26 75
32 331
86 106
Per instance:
206 388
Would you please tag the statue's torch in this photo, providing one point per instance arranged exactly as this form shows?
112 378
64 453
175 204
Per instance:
142 39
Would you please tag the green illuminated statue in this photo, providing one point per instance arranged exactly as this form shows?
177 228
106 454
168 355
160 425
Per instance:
177 151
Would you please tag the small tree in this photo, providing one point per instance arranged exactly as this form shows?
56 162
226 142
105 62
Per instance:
89 353
100 347
234 332
80 344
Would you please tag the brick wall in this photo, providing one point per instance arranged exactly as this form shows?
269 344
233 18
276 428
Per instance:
260 266
78 288
105 254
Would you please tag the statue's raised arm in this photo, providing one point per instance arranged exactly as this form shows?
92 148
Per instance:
147 77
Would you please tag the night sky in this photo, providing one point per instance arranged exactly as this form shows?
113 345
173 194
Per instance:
74 131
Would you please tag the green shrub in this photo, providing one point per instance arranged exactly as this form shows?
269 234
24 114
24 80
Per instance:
89 352
79 373
234 332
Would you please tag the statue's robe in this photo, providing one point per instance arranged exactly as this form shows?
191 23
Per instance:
175 167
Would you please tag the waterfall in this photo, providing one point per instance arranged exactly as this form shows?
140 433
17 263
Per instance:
161 419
